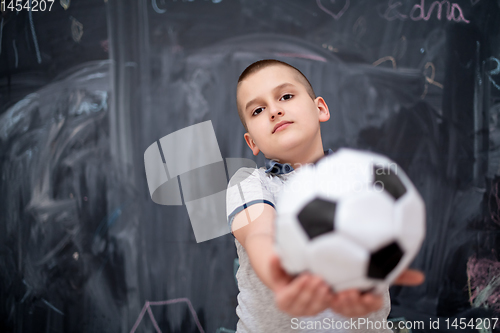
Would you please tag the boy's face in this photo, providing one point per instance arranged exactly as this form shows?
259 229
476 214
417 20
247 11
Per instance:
280 115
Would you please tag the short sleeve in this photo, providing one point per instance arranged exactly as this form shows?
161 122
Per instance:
247 187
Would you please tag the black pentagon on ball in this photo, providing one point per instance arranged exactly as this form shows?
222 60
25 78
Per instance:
384 261
318 217
389 181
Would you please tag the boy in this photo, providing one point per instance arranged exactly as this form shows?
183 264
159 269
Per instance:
282 116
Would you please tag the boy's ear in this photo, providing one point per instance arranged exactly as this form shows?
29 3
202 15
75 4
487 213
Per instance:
252 144
324 113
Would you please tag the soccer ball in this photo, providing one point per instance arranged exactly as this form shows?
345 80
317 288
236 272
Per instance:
353 218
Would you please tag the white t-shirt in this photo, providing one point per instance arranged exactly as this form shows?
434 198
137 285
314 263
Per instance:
256 308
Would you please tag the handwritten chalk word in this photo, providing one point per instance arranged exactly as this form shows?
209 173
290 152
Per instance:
147 307
422 12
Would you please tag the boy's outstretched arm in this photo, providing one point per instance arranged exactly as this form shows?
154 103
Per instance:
305 295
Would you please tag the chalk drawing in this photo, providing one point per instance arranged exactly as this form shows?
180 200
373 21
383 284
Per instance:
76 29
359 27
332 14
53 307
400 48
156 8
301 55
147 307
494 203
430 79
384 59
494 71
483 281
16 57
64 3
35 41
1 34
330 47
105 45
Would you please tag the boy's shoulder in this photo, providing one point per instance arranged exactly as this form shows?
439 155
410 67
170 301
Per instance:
246 174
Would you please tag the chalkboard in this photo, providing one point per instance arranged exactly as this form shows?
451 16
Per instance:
83 246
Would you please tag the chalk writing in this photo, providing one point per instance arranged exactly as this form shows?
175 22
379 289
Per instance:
494 71
451 11
391 12
147 307
418 12
331 13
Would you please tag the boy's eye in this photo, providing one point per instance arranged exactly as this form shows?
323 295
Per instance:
257 111
286 96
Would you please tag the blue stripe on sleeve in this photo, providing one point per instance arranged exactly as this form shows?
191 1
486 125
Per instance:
231 216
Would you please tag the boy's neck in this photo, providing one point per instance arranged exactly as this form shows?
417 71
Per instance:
305 155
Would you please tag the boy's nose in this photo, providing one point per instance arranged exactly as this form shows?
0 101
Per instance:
279 113
276 111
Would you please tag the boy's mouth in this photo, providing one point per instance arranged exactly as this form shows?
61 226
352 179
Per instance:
281 126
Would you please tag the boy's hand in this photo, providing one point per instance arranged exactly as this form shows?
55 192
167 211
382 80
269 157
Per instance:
353 303
304 295
308 295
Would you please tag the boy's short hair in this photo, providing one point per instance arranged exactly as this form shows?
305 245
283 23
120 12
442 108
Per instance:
261 64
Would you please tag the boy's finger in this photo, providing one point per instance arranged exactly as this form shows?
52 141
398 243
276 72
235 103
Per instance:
306 298
321 298
347 304
410 277
279 275
287 297
372 302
